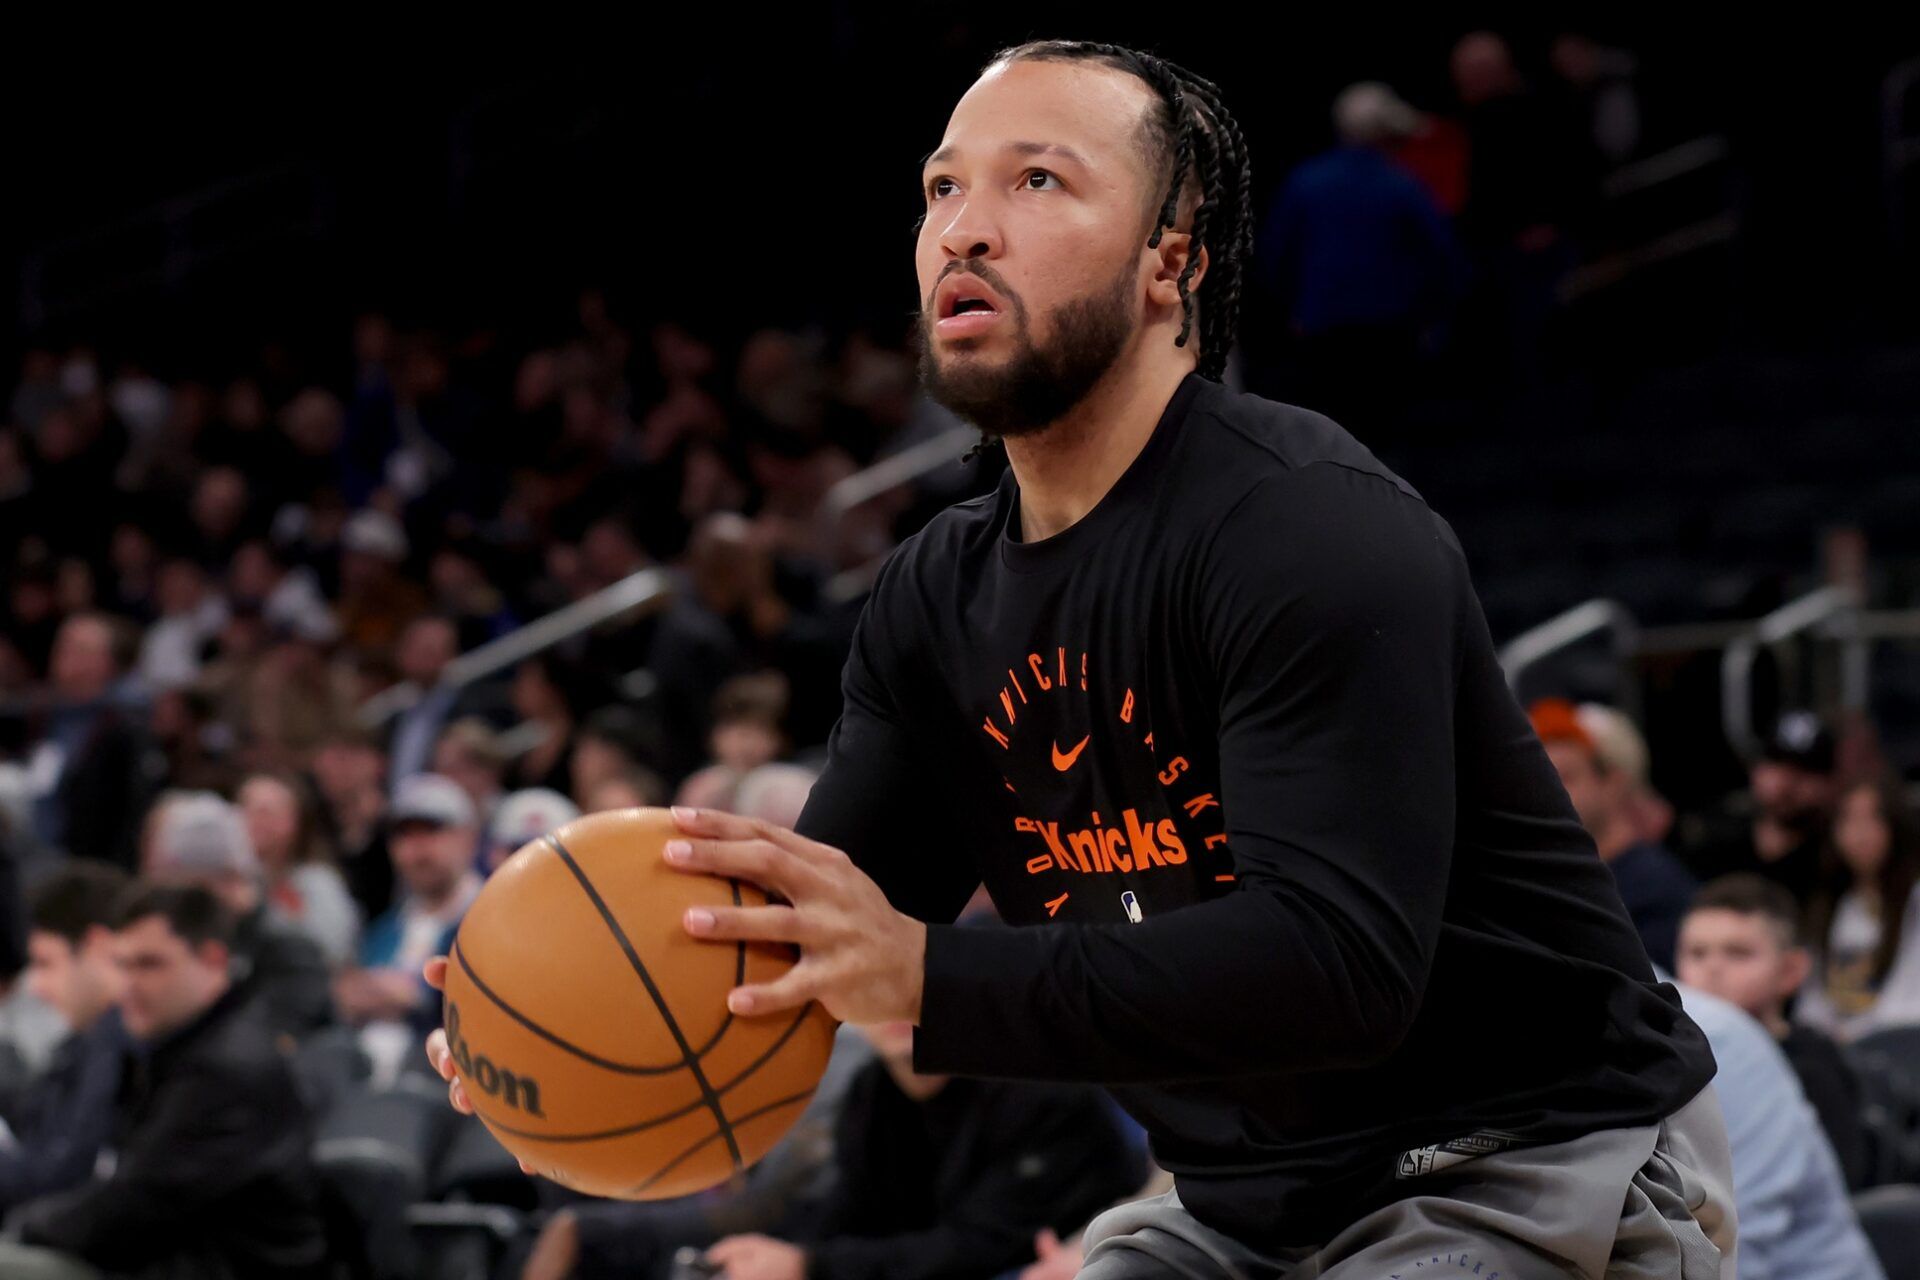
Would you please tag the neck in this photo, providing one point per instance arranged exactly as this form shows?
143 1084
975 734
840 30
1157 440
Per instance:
1066 468
1775 1020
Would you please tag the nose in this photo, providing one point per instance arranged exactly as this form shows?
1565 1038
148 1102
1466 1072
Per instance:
969 234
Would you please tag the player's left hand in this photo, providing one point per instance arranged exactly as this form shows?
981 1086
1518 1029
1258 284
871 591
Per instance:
758 1258
862 960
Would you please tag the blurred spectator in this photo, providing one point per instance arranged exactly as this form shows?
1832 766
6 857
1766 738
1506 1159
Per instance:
287 596
294 698
731 623
195 743
710 788
92 771
1788 1192
376 599
469 752
1362 262
551 694
201 840
1792 793
774 793
1528 187
62 1118
523 817
432 830
634 788
282 816
1603 765
191 614
614 742
212 1175
1865 917
1598 83
1740 941
749 713
351 773
426 647
934 1176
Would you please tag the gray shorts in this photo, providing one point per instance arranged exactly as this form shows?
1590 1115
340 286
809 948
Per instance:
1648 1203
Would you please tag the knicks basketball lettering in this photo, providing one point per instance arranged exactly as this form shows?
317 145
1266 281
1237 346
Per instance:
522 1093
1131 845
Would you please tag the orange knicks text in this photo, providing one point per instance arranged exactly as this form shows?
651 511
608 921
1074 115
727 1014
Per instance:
1128 845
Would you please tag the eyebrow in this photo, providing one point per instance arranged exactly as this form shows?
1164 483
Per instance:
945 154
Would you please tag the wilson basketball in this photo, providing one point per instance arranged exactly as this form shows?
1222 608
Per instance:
592 1031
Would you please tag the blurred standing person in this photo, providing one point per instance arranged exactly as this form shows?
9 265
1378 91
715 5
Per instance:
376 598
211 1177
1363 263
1524 191
92 770
1865 917
282 816
191 613
1598 83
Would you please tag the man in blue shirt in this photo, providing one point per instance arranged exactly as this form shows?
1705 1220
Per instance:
1361 263
1795 1219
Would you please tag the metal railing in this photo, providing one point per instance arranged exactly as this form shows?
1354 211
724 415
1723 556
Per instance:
1832 614
651 588
648 589
1810 612
1531 647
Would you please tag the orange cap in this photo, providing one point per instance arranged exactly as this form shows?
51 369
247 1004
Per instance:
1558 720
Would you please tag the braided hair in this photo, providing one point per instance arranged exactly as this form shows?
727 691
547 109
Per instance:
1192 138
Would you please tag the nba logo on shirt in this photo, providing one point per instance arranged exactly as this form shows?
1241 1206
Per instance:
1132 904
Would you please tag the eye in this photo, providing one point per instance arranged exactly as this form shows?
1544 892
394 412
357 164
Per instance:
1040 173
933 188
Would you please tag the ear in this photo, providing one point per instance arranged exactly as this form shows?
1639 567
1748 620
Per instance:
1173 251
1795 965
214 954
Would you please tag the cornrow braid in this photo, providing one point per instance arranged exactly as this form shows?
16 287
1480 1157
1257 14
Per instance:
1198 139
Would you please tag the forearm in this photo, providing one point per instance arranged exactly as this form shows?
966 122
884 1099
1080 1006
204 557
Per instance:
1257 982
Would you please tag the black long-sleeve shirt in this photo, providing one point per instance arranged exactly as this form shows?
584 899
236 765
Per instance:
1310 895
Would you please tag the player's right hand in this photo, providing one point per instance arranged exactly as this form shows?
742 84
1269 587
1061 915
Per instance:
435 972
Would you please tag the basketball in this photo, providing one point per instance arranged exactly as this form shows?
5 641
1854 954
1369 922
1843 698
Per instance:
592 1031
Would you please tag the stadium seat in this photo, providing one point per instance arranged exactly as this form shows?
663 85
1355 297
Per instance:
1891 1218
372 1155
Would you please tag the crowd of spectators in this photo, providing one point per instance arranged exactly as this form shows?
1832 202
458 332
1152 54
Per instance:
245 788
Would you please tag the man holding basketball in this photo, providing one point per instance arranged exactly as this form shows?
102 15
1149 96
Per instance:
1203 692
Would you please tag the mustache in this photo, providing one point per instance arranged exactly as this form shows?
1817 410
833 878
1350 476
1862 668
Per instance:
980 270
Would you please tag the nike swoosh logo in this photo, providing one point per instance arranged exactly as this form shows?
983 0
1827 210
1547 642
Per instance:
1063 761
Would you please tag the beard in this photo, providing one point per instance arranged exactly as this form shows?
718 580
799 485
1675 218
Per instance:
1038 384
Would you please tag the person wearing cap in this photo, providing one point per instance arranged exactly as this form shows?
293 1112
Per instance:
1362 264
521 817
200 839
431 831
1602 762
1792 791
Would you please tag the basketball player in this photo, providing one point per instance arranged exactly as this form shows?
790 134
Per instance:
1205 696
